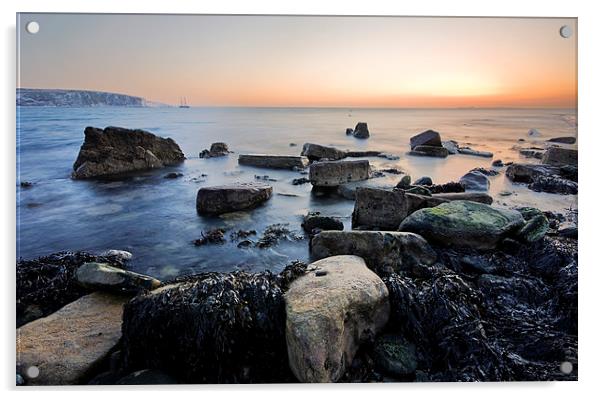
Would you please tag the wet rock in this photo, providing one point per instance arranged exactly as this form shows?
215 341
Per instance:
215 236
299 181
429 151
497 163
349 131
147 377
463 224
329 174
534 230
383 251
360 154
424 181
229 198
275 233
568 229
348 191
546 178
26 184
405 182
361 131
118 254
475 181
273 161
328 317
451 146
394 355
390 157
486 172
116 150
450 187
560 156
315 152
216 150
420 190
314 220
529 153
69 344
426 138
102 276
563 140
470 151
173 175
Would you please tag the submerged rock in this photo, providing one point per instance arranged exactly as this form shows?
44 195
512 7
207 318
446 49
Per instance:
383 251
314 220
470 151
361 131
116 150
426 138
315 152
329 174
463 224
429 151
223 199
102 276
475 181
273 161
329 315
560 156
173 175
216 150
69 344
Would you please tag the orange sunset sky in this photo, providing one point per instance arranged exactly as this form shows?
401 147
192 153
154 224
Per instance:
306 61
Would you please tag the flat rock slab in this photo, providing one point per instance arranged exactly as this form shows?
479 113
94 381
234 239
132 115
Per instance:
116 150
315 152
106 277
429 151
332 174
383 251
230 198
464 224
273 161
331 310
347 190
67 345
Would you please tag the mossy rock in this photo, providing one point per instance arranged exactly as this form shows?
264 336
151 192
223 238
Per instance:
464 224
394 355
534 230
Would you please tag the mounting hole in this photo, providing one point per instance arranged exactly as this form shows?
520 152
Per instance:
566 31
566 367
32 27
32 372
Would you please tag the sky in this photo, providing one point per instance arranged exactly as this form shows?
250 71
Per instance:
305 61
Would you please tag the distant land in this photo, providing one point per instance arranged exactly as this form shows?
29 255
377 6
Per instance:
79 98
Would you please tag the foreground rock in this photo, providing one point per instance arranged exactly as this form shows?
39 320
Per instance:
383 251
546 178
464 224
475 181
316 152
273 161
106 277
386 209
68 345
216 150
314 220
361 131
223 199
331 174
560 156
330 312
116 150
427 138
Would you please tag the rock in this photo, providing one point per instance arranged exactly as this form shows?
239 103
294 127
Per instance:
475 180
463 224
69 344
273 161
106 277
383 251
329 174
505 193
236 197
118 254
470 151
429 151
116 150
529 153
394 355
390 157
427 138
146 377
349 131
302 180
348 190
546 178
486 172
568 229
420 190
315 152
26 184
451 146
497 163
476 264
563 140
368 153
216 150
554 184
534 230
424 181
173 175
449 187
386 209
405 182
329 316
560 156
361 131
314 220
533 133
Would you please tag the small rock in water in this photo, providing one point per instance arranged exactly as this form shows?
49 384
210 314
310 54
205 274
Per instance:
335 173
470 151
292 144
361 131
429 151
26 184
533 133
486 172
497 163
405 182
505 193
563 140
314 220
475 180
349 131
424 181
427 138
117 253
173 175
291 162
315 152
302 180
390 157
215 236
264 177
451 146
229 198
216 150
106 277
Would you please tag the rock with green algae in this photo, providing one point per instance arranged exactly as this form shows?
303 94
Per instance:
534 230
394 355
464 224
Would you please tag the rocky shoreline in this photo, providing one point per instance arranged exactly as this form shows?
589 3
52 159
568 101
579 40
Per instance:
433 283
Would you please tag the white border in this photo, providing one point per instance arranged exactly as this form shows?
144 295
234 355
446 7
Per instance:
590 131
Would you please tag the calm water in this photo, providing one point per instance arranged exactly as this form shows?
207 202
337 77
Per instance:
156 219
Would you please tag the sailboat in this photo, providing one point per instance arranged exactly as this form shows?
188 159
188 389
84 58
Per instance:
183 103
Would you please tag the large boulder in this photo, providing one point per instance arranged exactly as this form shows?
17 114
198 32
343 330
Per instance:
71 343
315 152
330 312
273 161
464 224
216 200
361 131
429 151
216 150
475 181
116 150
560 156
103 276
335 173
383 251
429 137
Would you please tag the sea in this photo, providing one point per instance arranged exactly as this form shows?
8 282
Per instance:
156 220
